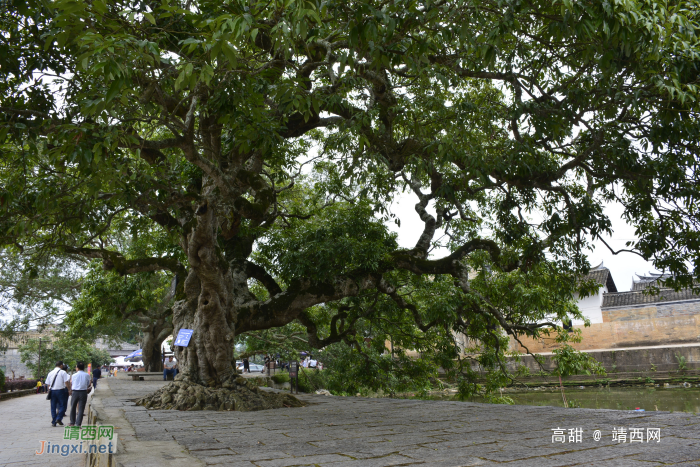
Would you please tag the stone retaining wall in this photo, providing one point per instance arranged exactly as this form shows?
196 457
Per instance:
13 394
632 360
97 459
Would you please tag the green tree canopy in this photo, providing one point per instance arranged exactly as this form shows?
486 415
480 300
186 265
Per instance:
36 290
69 350
120 307
266 141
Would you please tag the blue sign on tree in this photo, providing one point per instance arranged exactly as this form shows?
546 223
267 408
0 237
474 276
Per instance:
183 337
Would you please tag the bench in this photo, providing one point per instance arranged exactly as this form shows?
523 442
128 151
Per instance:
138 375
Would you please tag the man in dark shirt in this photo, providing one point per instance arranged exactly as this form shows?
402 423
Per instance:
96 374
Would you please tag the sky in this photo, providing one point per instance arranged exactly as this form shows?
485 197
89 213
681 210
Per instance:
622 266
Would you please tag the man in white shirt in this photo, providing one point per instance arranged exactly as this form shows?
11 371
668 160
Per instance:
170 368
58 383
80 384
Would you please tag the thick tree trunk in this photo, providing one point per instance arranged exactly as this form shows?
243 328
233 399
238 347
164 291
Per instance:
154 332
151 352
208 309
207 378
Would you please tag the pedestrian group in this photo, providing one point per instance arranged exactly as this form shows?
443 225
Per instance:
61 385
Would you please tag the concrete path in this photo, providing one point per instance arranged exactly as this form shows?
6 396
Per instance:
24 423
358 432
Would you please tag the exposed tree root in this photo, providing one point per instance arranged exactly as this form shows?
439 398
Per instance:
238 394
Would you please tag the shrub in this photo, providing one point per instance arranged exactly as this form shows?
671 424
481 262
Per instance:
682 366
19 384
2 381
280 378
311 380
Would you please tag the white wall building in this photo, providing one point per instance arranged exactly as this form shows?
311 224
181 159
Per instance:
591 306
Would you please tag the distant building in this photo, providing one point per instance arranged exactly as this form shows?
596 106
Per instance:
10 360
121 349
591 306
636 318
664 317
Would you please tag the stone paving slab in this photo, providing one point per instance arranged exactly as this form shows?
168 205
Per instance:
361 432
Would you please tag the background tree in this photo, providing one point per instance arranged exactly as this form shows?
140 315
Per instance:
118 306
69 350
288 128
288 342
124 308
78 296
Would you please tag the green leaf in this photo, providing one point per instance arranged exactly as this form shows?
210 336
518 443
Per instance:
230 53
113 90
180 79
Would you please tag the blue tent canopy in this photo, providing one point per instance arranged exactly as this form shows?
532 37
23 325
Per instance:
135 354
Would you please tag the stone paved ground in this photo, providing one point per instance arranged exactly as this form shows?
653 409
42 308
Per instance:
24 422
358 432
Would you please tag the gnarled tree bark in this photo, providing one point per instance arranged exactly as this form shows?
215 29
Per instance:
214 289
153 336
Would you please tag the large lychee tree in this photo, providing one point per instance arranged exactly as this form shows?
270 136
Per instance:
269 139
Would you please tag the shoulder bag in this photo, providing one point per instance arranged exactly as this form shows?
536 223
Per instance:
48 395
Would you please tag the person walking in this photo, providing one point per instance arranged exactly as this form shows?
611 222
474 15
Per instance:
58 383
170 368
246 365
80 387
96 374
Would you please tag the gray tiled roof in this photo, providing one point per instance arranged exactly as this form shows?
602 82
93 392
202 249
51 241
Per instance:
648 281
637 297
603 277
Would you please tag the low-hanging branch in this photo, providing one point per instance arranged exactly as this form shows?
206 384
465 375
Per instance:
113 260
